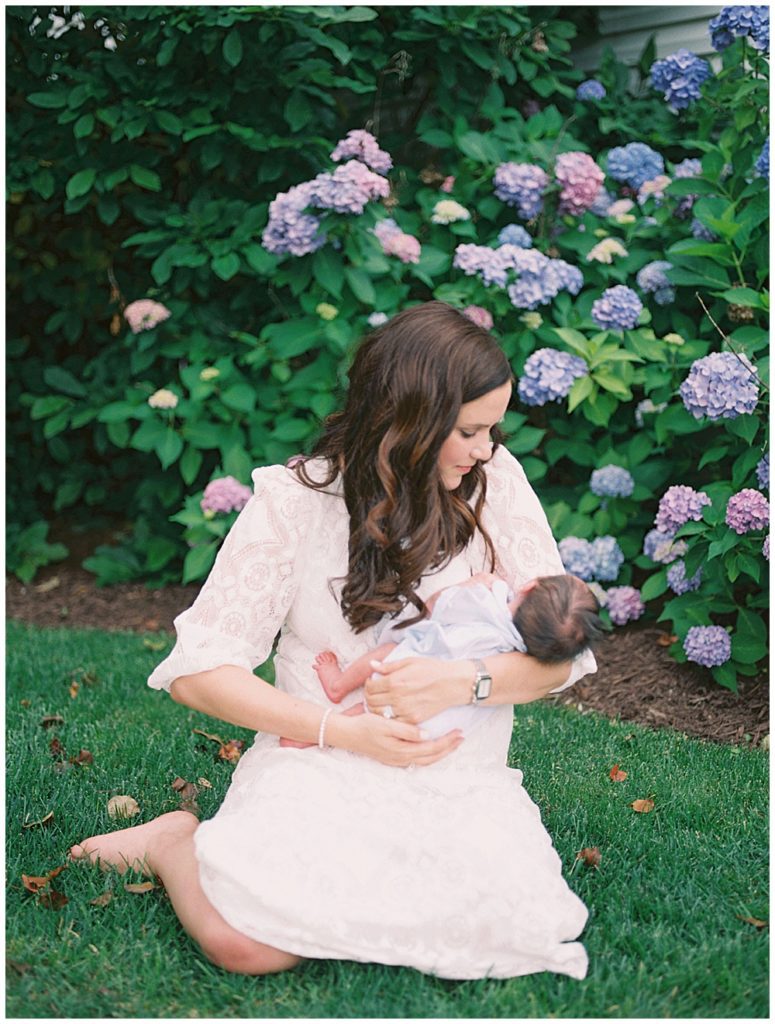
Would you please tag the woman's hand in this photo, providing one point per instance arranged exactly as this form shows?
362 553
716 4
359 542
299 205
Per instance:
416 689
389 741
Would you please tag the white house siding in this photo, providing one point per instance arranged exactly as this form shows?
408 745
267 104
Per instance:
627 29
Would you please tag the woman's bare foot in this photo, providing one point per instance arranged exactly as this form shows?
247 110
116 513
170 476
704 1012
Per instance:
329 674
134 847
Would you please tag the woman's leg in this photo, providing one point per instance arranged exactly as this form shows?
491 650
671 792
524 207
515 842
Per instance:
165 847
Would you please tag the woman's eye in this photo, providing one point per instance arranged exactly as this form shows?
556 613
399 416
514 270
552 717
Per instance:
467 435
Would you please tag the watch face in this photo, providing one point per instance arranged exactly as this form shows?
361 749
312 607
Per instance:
483 688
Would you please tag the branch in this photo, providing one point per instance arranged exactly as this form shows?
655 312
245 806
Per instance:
728 340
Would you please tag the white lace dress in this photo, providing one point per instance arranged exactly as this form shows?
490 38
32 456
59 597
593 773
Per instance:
324 853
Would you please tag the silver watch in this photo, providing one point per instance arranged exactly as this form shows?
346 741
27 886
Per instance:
482 682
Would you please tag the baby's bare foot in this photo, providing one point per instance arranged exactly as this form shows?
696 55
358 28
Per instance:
131 847
329 674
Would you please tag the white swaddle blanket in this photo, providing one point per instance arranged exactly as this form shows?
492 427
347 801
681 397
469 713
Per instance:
466 622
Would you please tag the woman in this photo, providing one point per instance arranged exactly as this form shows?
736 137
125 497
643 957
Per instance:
377 844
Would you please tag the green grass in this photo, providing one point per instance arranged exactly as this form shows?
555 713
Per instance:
663 937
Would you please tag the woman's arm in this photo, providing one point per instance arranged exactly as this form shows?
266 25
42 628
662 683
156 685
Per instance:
235 695
418 688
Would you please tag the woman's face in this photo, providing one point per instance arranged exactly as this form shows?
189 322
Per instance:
470 442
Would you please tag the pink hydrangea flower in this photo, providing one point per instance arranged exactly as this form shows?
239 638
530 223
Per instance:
747 510
396 242
363 146
580 178
144 314
480 316
448 184
225 495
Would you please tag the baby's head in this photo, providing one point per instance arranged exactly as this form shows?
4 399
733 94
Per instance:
557 617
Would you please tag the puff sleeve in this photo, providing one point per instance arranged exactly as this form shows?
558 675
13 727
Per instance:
524 545
245 599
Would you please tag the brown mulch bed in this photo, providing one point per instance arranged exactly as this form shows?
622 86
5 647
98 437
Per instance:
636 681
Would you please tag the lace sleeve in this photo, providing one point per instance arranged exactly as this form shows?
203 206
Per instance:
524 545
244 600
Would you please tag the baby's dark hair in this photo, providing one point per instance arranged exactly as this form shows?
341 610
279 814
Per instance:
558 618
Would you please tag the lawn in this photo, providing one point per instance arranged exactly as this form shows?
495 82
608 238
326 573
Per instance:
666 935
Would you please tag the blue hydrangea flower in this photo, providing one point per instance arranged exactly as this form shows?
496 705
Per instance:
708 645
489 264
652 280
617 309
763 472
679 77
720 386
691 167
603 200
577 557
590 90
678 505
762 164
523 186
548 376
634 163
290 229
662 548
608 557
677 581
611 482
515 234
741 21
700 231
624 604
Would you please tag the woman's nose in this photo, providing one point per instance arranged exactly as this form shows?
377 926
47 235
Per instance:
482 450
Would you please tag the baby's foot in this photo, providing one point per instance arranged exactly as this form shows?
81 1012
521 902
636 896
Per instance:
329 674
131 847
285 742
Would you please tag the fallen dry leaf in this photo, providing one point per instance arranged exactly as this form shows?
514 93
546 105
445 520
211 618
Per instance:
755 921
45 820
34 883
616 774
48 720
18 966
24 702
52 584
642 806
83 757
102 900
205 783
231 751
139 887
74 688
154 645
188 793
208 736
666 639
590 855
123 807
55 747
52 899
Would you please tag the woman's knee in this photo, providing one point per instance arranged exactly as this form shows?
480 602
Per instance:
239 954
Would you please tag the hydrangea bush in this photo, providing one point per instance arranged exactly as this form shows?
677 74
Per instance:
613 238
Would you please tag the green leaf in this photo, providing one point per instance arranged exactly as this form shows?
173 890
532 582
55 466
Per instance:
260 260
145 178
580 390
199 561
361 285
240 397
609 382
745 297
292 429
749 624
746 426
84 126
479 147
169 447
226 266
575 340
327 270
190 464
725 676
232 48
292 337
48 405
62 380
169 122
48 100
437 137
297 110
654 586
525 441
80 183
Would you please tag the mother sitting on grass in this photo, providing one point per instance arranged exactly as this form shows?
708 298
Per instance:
377 844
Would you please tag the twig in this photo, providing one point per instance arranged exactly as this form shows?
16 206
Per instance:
726 338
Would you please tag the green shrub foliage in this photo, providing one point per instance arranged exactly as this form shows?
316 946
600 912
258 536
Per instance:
145 148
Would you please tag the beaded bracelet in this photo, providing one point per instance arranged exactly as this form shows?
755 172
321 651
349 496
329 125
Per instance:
322 729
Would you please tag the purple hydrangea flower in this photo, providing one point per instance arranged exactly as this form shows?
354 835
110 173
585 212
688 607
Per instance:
590 90
491 264
634 163
740 21
364 147
541 279
652 280
679 77
699 230
762 164
691 167
290 229
763 472
677 581
747 510
766 547
521 185
647 407
608 557
708 645
611 482
580 178
617 309
577 557
720 386
624 604
479 316
225 495
549 375
348 189
515 234
677 506
662 548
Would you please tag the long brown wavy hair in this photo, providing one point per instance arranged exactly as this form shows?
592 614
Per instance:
408 381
